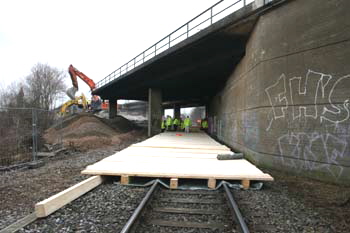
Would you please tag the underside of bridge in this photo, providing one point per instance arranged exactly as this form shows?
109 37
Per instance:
193 70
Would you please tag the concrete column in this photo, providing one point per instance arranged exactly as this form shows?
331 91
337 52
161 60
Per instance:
206 110
112 108
258 3
154 111
177 111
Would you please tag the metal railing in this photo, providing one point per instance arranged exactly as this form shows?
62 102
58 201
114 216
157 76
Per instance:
213 14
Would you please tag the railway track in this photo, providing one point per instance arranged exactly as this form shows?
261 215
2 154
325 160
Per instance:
186 211
163 210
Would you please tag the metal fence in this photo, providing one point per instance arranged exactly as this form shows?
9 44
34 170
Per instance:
22 132
213 14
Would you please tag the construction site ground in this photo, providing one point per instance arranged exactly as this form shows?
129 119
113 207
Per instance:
87 139
289 204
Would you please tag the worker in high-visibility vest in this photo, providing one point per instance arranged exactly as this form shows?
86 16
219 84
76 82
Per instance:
163 126
176 123
182 125
187 124
168 123
204 125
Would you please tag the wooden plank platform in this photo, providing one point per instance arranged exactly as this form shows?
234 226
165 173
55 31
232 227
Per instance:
175 156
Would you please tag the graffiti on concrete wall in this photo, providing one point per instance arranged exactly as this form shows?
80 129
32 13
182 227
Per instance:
322 103
315 150
304 95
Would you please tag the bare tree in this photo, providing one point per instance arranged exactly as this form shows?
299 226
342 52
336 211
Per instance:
45 85
12 95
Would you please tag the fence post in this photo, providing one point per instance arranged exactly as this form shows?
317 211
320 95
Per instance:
61 133
34 135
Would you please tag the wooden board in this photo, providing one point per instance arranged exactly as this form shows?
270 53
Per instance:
50 205
174 183
168 156
180 168
182 146
156 158
14 227
158 150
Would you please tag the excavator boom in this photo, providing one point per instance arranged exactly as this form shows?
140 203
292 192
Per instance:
74 72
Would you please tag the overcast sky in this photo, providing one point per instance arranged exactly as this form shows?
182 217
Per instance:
97 37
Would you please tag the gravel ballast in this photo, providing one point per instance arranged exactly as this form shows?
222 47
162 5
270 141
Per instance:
295 204
105 209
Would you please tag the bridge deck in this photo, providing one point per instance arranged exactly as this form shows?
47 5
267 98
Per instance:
177 155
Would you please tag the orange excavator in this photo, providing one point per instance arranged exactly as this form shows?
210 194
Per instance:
96 103
74 72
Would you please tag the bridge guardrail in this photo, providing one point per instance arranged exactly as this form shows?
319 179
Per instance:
205 19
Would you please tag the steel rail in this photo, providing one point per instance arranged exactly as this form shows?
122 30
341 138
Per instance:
241 223
128 226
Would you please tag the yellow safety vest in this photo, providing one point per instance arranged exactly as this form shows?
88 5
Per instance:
169 121
187 122
182 125
204 124
176 122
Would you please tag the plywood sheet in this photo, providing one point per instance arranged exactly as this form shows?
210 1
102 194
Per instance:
167 155
158 150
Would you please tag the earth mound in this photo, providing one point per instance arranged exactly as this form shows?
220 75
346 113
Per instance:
86 131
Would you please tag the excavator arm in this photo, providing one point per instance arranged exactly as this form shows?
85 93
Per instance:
74 72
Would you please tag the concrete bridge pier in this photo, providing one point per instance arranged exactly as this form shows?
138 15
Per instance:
177 111
154 111
112 108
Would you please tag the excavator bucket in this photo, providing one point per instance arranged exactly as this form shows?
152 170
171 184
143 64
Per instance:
71 92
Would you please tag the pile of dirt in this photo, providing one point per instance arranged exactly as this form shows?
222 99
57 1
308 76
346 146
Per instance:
83 132
120 124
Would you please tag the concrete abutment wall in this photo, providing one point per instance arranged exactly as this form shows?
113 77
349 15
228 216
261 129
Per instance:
286 105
